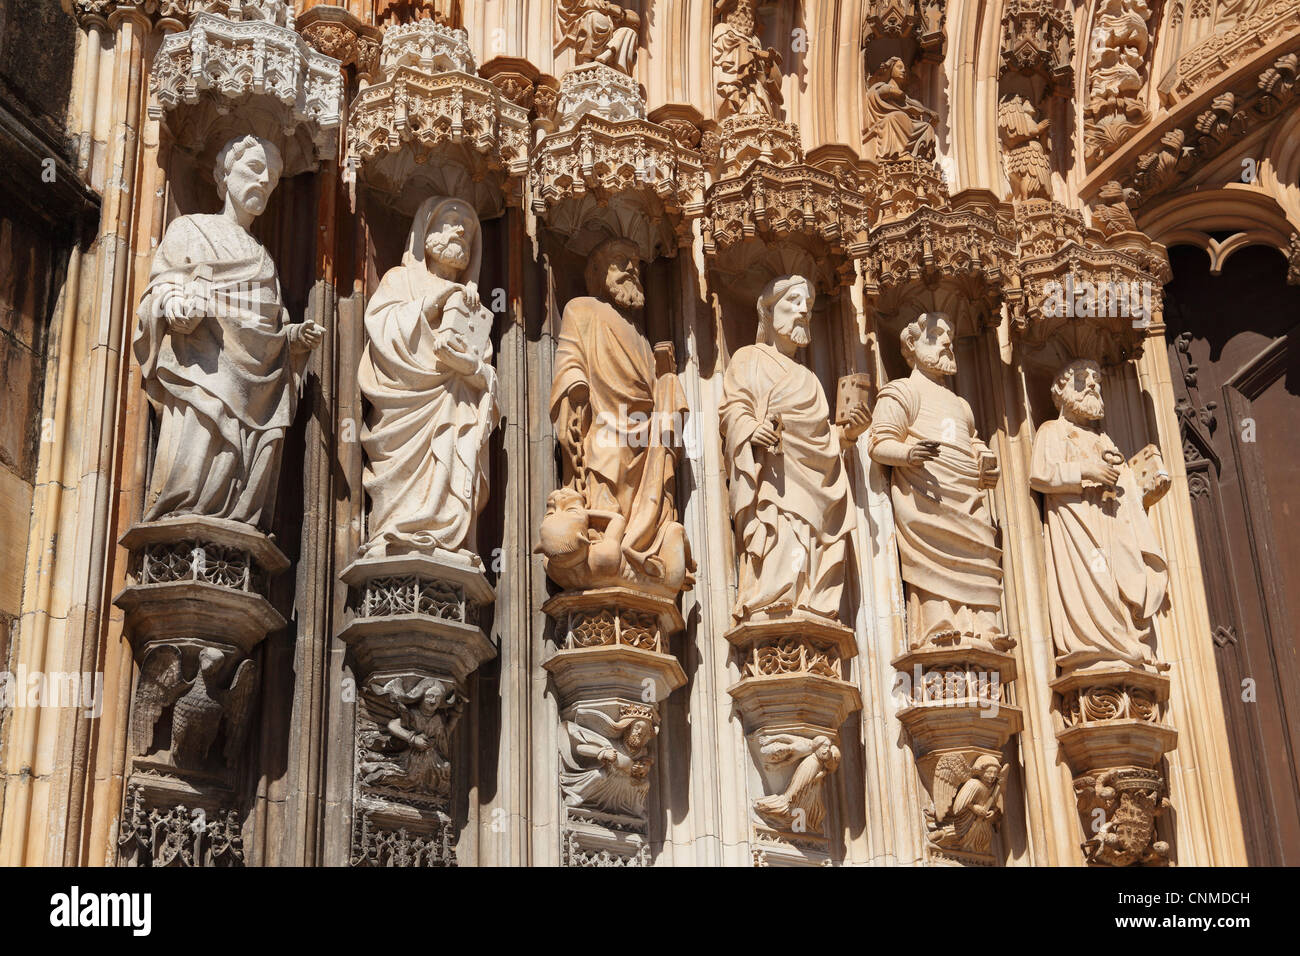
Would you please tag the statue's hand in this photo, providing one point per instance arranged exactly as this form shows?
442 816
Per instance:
919 452
180 319
1100 472
306 336
472 299
420 742
859 421
765 436
454 352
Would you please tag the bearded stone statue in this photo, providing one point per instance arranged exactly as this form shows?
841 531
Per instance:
221 363
790 498
432 391
940 468
1106 572
619 411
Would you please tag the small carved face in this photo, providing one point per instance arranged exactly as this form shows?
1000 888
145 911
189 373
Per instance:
638 734
433 698
1081 394
251 180
933 348
989 775
623 280
790 315
898 70
450 237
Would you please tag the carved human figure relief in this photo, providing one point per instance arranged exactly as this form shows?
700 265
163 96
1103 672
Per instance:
606 761
601 31
1024 149
789 491
221 363
896 124
1106 572
410 747
749 76
619 411
427 377
925 432
799 807
967 802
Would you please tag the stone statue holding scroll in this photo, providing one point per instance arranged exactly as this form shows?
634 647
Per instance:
1105 570
222 365
790 498
925 432
432 391
619 411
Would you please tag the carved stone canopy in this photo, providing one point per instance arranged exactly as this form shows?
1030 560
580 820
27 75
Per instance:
911 29
1038 45
431 126
338 34
221 78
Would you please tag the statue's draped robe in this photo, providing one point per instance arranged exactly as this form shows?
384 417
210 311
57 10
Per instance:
426 431
946 542
891 130
1107 575
791 508
744 76
225 392
632 420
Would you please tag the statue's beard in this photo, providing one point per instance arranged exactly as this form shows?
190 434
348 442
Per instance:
627 293
944 364
800 336
1085 406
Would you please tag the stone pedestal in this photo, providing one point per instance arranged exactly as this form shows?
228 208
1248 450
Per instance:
196 609
1114 736
792 699
413 638
611 673
959 720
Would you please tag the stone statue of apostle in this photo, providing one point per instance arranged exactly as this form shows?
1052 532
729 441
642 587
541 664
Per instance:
222 365
432 391
790 498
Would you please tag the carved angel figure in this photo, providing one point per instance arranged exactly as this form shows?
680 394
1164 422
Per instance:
606 762
967 802
198 705
1024 149
600 31
415 752
896 124
800 806
750 76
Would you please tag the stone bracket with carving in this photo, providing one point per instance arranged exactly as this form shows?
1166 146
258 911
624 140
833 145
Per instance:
611 674
792 699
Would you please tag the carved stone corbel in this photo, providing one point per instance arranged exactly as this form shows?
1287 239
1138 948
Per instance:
792 699
430 121
196 608
340 35
413 638
611 671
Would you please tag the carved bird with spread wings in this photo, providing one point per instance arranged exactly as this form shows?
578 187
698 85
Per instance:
198 706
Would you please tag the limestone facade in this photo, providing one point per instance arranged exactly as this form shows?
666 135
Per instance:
579 432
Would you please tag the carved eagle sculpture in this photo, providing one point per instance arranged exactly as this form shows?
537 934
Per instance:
198 707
